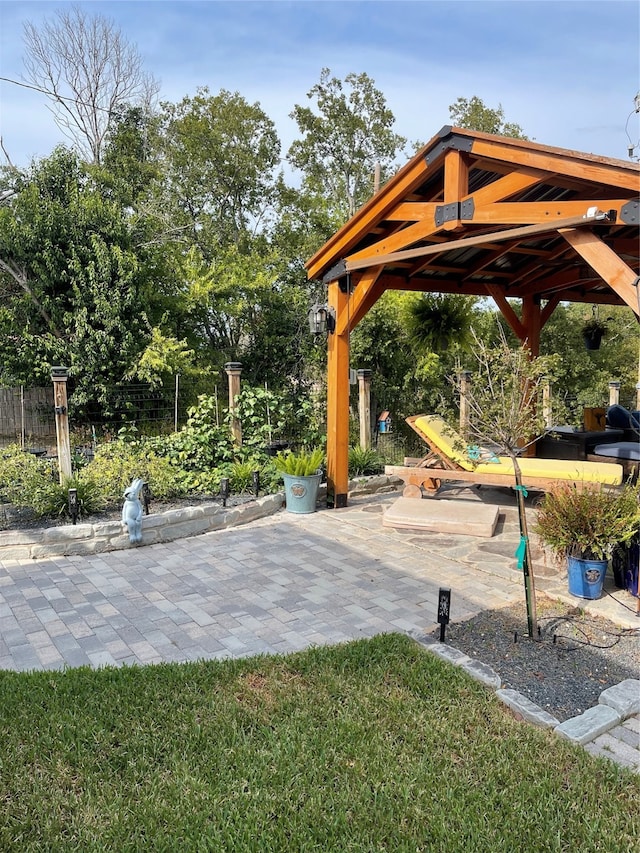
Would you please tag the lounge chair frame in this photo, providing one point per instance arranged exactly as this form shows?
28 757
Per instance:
431 470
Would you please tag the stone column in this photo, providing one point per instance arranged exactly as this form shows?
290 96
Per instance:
364 407
59 376
233 370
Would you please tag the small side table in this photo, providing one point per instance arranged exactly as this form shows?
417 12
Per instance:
566 443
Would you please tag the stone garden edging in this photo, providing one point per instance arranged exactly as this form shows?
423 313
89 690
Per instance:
85 539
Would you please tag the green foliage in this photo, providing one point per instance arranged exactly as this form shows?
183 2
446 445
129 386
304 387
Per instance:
201 444
588 522
440 321
34 484
117 463
472 113
51 499
301 464
216 197
343 140
23 476
504 395
72 280
363 461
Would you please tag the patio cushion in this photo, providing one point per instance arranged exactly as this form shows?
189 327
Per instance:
449 442
619 450
621 418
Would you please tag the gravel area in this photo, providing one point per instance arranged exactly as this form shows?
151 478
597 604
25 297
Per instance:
575 658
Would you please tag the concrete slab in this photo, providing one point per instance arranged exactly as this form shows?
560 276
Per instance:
451 516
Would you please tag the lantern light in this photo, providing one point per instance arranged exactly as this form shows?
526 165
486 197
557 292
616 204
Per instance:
322 319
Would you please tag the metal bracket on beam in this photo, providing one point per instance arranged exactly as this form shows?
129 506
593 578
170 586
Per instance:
447 213
453 142
630 212
467 209
336 272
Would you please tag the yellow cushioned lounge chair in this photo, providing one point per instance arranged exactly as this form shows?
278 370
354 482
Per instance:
447 460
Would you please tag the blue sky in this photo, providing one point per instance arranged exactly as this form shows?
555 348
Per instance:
566 70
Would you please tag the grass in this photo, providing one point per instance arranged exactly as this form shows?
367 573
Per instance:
370 746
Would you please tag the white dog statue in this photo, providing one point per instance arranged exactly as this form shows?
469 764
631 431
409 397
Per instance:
132 510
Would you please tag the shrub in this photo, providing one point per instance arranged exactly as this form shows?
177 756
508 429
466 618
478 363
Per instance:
364 461
117 463
52 499
301 464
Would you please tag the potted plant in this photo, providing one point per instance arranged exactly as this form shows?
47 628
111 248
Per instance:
302 475
592 332
584 525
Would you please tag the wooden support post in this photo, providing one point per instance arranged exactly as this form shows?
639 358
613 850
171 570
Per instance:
59 375
465 387
614 393
233 370
338 403
364 407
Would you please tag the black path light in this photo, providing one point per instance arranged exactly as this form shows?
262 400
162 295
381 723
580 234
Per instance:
73 505
322 319
224 490
146 497
444 610
255 477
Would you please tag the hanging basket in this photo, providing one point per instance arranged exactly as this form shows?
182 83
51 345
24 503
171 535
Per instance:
592 339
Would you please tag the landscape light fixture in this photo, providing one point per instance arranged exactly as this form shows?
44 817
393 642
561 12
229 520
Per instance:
74 508
322 319
224 490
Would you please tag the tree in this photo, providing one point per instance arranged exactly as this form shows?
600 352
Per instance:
344 140
72 289
221 155
89 71
503 401
473 114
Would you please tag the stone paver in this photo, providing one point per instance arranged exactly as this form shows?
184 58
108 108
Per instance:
278 585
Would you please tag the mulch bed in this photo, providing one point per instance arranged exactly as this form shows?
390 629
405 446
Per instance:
564 670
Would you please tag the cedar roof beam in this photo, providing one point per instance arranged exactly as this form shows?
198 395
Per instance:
611 268
553 161
466 242
507 311
524 212
365 292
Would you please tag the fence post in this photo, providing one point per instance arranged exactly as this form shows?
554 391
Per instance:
614 393
59 376
546 403
234 369
364 407
465 387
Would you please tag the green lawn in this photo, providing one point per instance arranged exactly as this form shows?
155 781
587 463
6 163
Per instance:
371 746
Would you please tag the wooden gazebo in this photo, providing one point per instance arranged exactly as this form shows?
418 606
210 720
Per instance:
483 215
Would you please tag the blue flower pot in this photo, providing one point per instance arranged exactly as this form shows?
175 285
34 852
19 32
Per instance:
301 493
586 577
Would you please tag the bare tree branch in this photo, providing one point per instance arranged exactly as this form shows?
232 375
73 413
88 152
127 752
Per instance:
89 71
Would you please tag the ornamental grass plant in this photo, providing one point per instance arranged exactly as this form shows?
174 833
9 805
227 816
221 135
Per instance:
588 522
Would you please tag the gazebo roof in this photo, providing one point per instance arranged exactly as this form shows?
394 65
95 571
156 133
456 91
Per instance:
473 213
482 215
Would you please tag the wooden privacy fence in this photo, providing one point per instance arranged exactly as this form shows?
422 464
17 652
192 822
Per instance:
26 416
